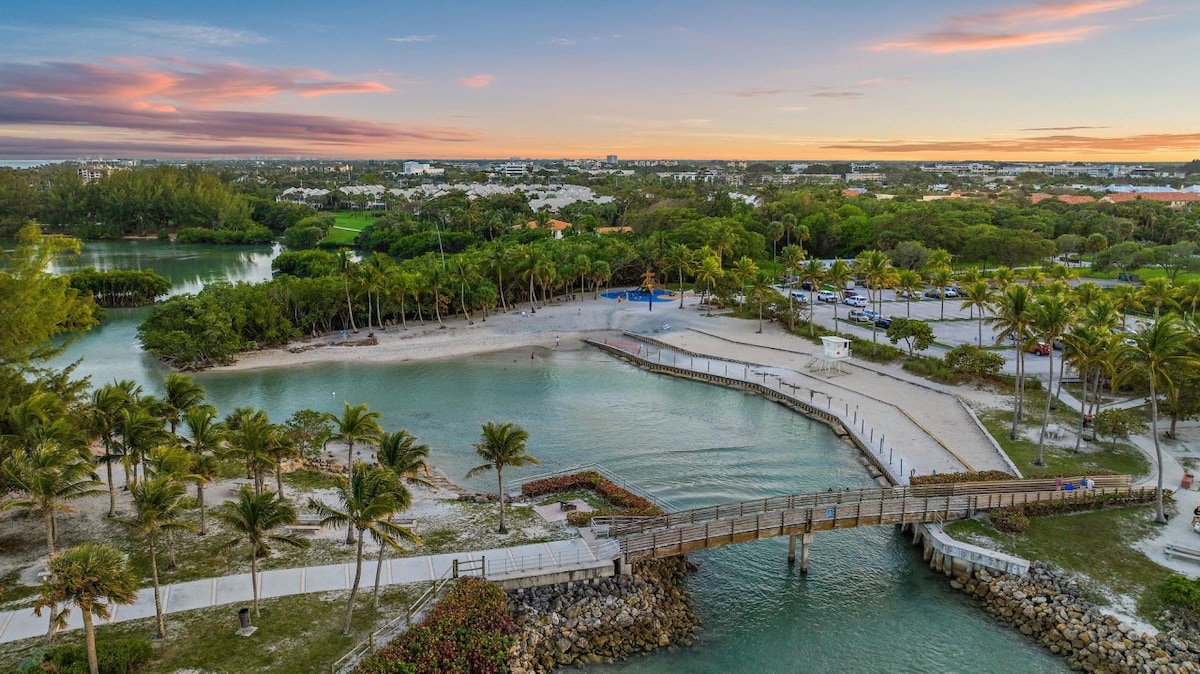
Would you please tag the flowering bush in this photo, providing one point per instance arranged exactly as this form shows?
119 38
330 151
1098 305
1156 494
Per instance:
952 478
468 632
624 502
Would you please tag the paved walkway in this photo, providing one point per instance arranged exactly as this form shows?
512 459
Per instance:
236 589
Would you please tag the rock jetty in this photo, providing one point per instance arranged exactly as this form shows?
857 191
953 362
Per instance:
1046 606
604 619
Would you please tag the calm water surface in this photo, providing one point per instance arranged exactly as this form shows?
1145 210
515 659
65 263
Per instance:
868 603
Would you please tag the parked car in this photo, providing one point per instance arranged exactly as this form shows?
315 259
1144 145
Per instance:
855 301
862 315
850 293
826 296
806 285
933 294
908 294
951 292
881 322
1040 349
800 297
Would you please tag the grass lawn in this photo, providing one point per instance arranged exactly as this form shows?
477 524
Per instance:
295 634
1124 458
1098 545
1142 273
347 225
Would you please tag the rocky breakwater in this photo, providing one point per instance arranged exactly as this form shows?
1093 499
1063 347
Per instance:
1045 605
604 619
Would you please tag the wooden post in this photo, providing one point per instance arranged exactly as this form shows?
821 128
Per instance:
805 540
791 549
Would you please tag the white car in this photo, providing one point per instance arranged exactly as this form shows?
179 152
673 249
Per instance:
826 296
855 301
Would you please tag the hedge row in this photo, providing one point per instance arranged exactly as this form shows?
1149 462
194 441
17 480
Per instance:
953 478
468 632
624 502
1015 519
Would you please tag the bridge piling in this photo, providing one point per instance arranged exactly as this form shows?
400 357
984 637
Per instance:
791 550
805 540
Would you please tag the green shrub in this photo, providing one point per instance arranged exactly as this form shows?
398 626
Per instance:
1015 519
1182 593
873 351
470 631
971 360
115 656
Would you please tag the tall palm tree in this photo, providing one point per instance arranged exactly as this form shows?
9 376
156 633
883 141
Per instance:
1159 347
1126 298
839 274
876 267
1188 295
708 272
681 259
252 441
1003 277
793 257
742 271
346 266
400 452
502 446
910 282
252 517
1014 314
357 423
812 272
157 505
761 292
140 430
1052 316
174 463
205 436
1087 293
103 414
941 278
93 577
979 295
366 502
180 393
47 477
1084 348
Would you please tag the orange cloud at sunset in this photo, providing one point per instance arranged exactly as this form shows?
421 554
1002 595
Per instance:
476 81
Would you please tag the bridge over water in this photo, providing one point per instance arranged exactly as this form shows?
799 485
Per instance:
799 515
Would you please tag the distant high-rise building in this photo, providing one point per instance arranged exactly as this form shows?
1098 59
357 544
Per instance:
611 159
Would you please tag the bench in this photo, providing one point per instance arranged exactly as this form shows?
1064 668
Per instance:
1190 554
304 528
308 519
567 506
405 522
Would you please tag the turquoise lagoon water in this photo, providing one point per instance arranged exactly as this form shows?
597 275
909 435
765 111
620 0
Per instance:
868 603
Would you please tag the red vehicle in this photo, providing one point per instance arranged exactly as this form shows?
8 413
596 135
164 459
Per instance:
1040 349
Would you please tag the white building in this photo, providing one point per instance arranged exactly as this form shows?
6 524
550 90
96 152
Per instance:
412 168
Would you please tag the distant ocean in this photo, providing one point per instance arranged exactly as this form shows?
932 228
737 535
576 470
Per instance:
27 163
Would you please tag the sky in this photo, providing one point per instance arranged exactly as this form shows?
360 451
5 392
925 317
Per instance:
1019 80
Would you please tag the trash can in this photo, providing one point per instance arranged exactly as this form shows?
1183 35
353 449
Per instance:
244 617
1186 482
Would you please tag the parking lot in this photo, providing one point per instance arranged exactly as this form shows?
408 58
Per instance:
959 326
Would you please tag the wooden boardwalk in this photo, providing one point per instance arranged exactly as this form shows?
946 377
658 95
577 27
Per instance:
716 526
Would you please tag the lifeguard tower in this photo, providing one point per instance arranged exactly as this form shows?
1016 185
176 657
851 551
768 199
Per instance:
829 361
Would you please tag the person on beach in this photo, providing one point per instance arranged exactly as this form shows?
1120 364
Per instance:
1058 483
530 355
556 341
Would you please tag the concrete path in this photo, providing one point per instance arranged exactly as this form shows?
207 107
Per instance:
236 589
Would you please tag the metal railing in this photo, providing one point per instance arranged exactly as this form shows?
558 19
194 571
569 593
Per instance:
395 626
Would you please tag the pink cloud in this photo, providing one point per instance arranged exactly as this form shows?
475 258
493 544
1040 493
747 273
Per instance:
755 93
476 81
1016 27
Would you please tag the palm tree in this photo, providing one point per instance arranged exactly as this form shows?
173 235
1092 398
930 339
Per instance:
1052 316
1012 319
1126 298
356 424
1084 349
708 272
1157 293
158 505
1087 293
680 258
48 476
174 463
941 278
1188 295
876 267
180 393
140 431
253 517
1004 277
345 266
252 441
93 577
103 416
839 274
910 282
1159 347
743 269
793 257
400 452
367 502
761 291
813 272
502 446
205 436
979 295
